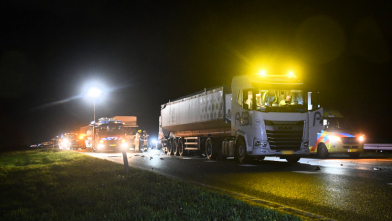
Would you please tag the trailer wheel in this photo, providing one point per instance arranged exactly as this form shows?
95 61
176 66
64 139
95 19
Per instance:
322 151
241 151
175 147
211 152
169 147
180 147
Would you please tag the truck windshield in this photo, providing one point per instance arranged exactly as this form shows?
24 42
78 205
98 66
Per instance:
336 124
111 130
275 100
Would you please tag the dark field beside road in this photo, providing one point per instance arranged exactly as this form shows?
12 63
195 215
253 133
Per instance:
47 184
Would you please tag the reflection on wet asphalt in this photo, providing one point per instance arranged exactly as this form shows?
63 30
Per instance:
341 189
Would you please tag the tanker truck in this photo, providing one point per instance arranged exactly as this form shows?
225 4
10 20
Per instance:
257 116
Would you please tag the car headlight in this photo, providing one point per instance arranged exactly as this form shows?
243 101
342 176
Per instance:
124 145
334 138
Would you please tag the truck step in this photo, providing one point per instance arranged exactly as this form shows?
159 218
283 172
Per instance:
190 143
190 138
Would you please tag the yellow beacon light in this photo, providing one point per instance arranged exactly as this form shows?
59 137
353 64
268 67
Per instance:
263 73
291 74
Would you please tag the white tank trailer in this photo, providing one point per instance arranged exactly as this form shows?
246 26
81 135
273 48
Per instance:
257 116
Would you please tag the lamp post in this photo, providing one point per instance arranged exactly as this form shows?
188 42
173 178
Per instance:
94 93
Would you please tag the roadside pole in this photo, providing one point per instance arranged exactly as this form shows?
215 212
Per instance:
126 165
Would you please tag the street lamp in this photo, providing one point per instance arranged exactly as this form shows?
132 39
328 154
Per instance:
94 93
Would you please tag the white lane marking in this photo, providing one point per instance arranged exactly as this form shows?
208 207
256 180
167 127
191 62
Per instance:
305 172
247 165
186 158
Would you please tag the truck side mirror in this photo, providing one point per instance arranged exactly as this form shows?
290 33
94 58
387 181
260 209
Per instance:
310 107
246 106
316 100
245 119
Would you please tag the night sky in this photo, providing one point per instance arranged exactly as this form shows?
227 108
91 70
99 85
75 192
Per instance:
146 53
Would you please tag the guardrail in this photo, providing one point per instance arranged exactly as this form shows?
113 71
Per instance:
377 146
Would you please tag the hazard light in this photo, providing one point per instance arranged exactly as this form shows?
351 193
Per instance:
262 73
291 74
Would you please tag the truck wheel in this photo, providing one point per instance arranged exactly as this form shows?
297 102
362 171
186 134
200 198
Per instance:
181 147
175 147
241 151
210 149
292 159
169 147
354 155
322 151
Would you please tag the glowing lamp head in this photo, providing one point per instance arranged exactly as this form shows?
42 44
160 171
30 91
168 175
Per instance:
94 92
291 74
334 138
263 73
124 145
65 141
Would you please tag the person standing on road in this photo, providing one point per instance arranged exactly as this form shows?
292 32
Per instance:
145 138
137 140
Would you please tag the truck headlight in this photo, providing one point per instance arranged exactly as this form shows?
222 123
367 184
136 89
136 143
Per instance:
65 141
124 145
334 138
361 138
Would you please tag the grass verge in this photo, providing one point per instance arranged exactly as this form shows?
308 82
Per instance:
48 184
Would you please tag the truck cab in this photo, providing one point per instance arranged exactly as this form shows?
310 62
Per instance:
109 136
337 136
273 116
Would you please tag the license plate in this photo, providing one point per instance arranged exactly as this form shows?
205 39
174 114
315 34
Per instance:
352 150
112 145
287 152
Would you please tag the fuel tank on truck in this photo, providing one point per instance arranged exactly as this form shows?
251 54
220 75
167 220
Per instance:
203 113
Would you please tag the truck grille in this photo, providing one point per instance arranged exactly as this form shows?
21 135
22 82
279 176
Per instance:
349 140
284 136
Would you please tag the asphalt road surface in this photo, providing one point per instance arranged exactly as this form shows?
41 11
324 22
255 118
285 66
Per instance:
338 189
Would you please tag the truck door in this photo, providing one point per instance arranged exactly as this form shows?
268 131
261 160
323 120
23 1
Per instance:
315 125
247 117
